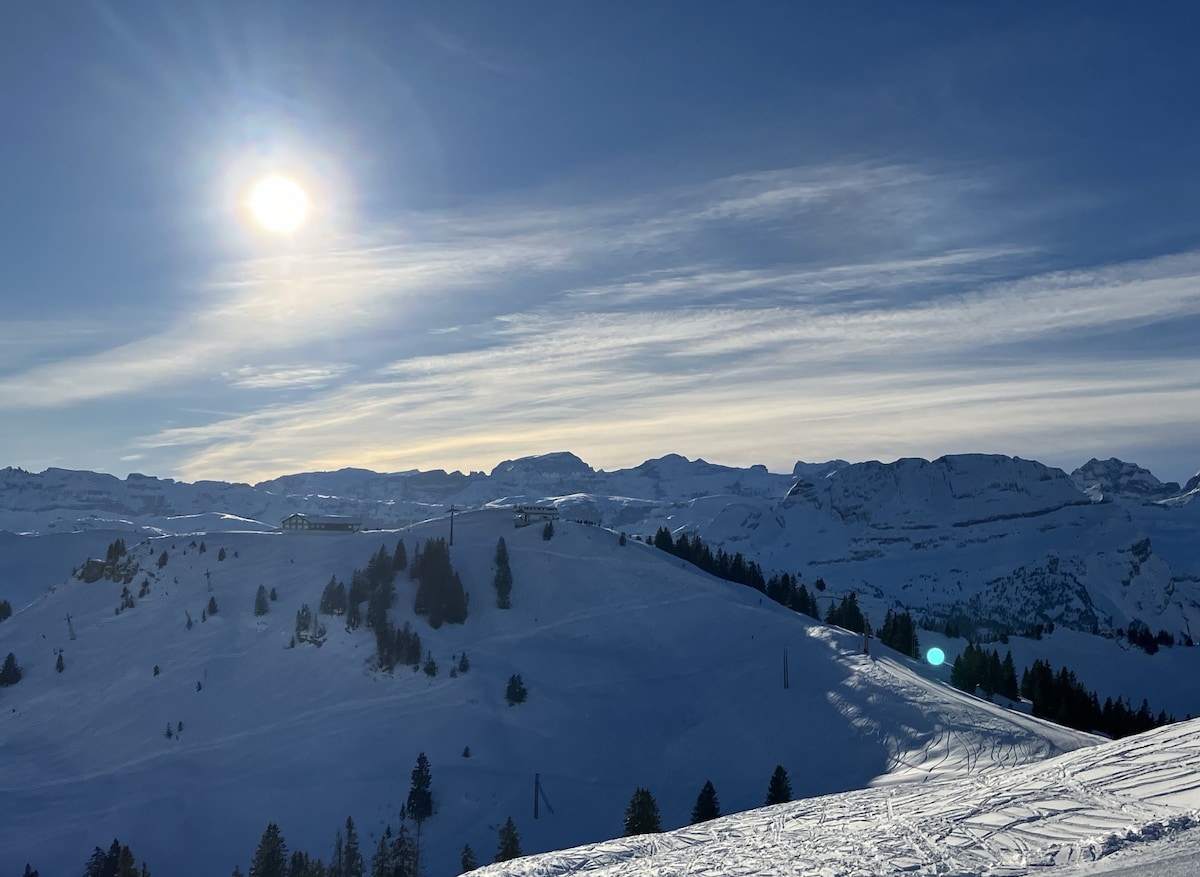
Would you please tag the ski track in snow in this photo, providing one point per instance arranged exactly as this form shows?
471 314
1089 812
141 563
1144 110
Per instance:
1069 812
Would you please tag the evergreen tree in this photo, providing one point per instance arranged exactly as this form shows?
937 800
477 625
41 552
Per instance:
162 559
515 692
622 540
212 605
273 595
237 872
420 796
509 846
10 673
383 864
352 860
467 859
504 577
338 859
779 791
271 858
707 806
32 872
404 854
97 865
58 665
548 531
221 555
399 556
5 610
261 603
641 816
463 664
303 622
430 667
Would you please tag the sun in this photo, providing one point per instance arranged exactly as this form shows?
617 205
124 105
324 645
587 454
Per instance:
279 204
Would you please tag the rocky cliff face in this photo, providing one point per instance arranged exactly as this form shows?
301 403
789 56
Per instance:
1116 479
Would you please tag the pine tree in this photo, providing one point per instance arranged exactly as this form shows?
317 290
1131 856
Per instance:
400 556
271 858
404 854
509 846
261 602
548 531
430 667
420 796
707 806
5 610
515 692
504 577
383 864
467 859
779 791
463 664
221 554
10 673
58 665
335 863
273 595
162 559
352 860
641 816
212 605
32 872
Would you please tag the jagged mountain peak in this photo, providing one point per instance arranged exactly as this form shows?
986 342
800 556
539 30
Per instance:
555 463
1118 479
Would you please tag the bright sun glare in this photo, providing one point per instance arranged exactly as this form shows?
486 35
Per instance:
279 204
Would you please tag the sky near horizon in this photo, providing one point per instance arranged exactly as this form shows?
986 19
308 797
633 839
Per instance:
754 233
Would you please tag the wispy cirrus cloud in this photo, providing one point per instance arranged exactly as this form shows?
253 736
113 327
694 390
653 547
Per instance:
833 311
763 385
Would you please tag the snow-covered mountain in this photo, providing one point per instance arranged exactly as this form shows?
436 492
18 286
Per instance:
1132 804
998 543
641 671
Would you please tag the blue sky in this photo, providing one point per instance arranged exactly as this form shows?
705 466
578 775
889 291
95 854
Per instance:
754 232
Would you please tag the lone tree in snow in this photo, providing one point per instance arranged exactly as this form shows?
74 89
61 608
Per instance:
779 791
707 806
261 604
641 816
467 859
10 673
510 842
515 693
504 576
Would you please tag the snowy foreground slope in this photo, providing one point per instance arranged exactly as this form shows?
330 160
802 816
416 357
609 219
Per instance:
641 672
1134 802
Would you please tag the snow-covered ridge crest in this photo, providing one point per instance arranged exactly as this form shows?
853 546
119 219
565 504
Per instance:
957 489
1074 810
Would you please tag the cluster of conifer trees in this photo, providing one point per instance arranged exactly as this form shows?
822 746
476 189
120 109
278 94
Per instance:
1062 698
899 632
733 568
118 861
976 668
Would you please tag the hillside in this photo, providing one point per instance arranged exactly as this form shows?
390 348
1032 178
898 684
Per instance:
640 670
1132 803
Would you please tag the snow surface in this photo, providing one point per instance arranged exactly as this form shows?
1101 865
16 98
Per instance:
641 672
1140 795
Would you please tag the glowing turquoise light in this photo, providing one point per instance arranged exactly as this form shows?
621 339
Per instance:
935 656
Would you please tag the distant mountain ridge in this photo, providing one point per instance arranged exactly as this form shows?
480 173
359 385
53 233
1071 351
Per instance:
998 543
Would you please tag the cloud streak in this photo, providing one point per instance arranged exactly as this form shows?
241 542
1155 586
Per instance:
833 311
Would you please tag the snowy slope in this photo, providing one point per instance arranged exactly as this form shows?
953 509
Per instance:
641 671
1069 812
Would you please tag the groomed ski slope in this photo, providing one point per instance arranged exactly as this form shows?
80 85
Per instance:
641 672
1136 800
